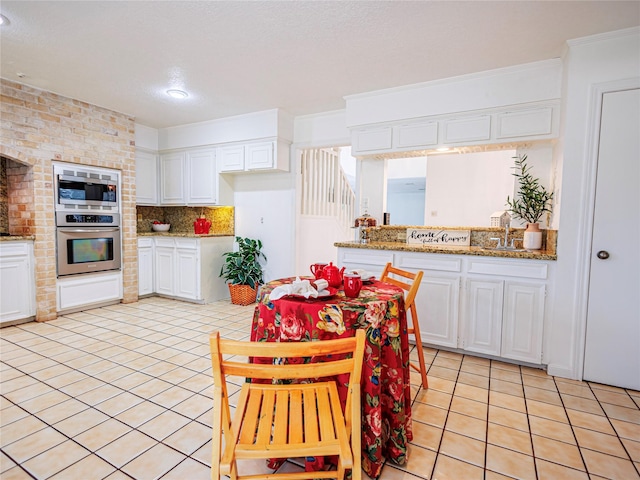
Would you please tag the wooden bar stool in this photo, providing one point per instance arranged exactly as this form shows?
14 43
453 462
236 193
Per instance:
410 282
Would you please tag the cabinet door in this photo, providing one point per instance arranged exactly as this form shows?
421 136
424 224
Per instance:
259 155
232 158
522 321
437 305
371 140
201 177
16 289
145 270
483 316
172 184
165 270
146 178
415 135
468 129
187 274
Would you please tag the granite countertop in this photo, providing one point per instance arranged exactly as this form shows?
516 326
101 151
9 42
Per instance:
182 234
453 250
16 238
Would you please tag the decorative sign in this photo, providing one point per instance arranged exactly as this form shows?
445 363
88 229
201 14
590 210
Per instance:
439 238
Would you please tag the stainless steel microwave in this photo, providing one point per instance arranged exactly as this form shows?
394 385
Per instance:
85 188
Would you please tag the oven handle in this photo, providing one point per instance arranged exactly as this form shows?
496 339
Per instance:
89 230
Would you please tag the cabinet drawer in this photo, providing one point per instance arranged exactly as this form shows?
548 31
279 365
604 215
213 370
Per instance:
511 269
165 242
145 242
380 259
12 249
428 262
187 243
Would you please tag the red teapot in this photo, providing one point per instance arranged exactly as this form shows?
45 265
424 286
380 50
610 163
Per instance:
333 275
201 226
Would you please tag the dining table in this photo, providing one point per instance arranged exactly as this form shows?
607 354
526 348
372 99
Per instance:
385 389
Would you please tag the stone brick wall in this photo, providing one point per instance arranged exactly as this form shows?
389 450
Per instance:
4 197
39 127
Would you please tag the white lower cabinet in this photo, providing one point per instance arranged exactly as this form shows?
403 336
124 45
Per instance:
145 266
76 292
523 318
489 306
185 268
483 316
17 281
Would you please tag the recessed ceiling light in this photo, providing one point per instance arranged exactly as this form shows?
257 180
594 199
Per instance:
177 93
4 20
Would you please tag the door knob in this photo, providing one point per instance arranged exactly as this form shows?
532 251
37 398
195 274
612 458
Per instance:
603 254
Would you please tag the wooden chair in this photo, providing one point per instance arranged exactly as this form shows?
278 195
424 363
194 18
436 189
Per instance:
410 282
289 420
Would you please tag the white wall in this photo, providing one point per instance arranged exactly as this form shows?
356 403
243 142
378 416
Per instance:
146 138
252 126
514 85
265 209
589 62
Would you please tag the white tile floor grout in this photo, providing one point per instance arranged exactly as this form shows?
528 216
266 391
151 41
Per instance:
125 392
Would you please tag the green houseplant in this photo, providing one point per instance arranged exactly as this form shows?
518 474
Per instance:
531 202
242 270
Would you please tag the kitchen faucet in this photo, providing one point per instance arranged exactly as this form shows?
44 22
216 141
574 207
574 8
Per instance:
505 221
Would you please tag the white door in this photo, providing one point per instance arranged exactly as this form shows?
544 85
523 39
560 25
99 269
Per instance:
612 352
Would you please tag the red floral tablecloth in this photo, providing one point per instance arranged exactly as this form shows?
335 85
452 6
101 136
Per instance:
386 394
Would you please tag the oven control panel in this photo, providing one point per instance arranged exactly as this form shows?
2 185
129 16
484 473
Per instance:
65 219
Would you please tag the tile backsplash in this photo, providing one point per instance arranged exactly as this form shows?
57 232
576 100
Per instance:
182 218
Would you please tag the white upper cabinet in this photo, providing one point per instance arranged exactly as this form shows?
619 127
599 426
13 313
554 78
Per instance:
189 178
254 156
201 177
519 123
146 178
372 140
467 129
260 155
526 123
231 158
172 179
415 135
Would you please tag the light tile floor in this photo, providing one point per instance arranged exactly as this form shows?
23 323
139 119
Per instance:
125 391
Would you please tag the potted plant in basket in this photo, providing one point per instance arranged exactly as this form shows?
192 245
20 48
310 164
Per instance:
531 203
242 270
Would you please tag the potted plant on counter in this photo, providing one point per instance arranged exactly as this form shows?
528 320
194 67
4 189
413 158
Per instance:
242 270
531 202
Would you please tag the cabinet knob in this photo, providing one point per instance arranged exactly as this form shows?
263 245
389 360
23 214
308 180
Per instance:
602 254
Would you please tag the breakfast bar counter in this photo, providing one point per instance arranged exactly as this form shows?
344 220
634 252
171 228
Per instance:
452 250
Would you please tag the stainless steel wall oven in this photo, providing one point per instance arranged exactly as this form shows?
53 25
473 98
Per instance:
87 213
87 243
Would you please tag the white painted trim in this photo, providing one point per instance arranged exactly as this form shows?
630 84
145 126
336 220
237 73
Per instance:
603 37
553 62
588 209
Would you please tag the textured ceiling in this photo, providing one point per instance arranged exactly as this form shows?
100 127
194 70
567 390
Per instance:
236 57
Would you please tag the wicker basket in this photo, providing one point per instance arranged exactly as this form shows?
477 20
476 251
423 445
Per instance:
242 294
